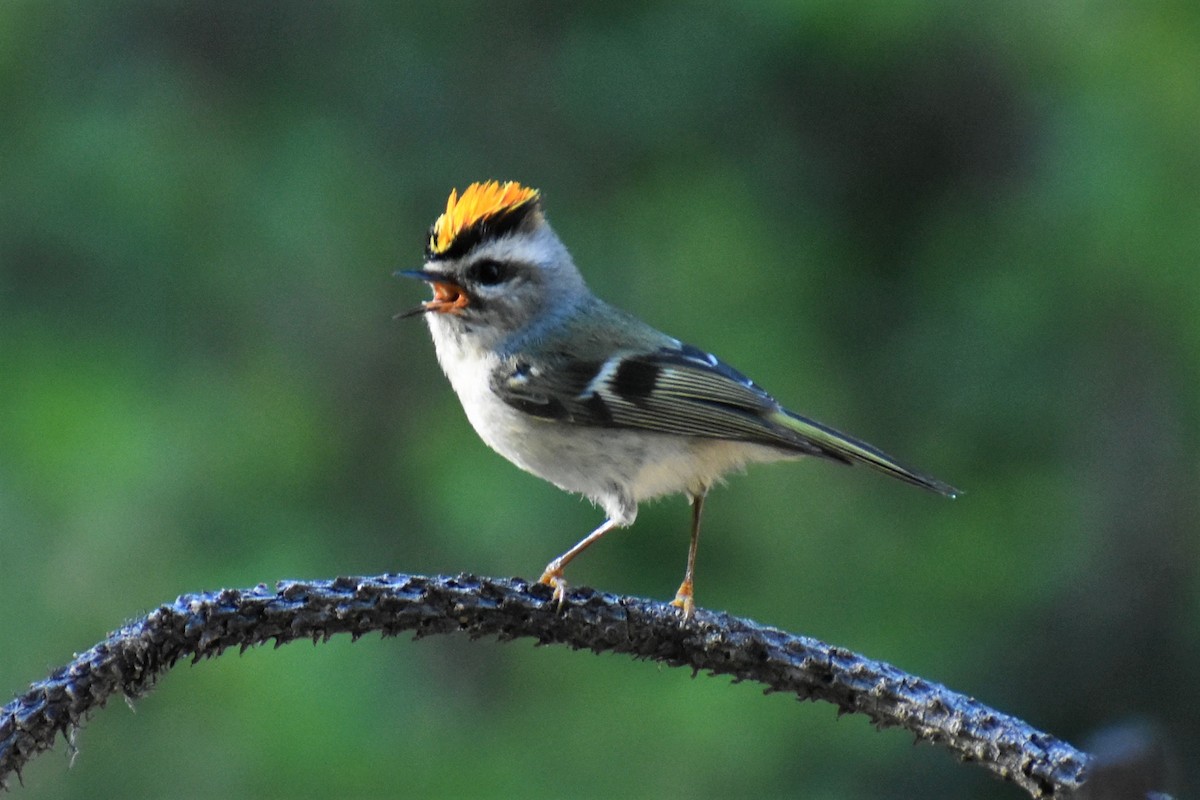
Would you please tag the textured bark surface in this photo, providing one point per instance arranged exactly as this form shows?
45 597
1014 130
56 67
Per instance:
197 626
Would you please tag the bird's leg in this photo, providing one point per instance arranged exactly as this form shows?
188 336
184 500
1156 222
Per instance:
683 597
552 576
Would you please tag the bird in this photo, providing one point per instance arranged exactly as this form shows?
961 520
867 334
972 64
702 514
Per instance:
588 396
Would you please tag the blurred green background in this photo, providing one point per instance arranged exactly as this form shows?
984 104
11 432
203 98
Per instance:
970 238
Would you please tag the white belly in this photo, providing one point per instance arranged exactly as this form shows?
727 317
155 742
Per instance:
615 468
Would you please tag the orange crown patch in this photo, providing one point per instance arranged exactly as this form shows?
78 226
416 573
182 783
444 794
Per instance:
481 205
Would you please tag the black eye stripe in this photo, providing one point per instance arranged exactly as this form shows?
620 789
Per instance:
489 272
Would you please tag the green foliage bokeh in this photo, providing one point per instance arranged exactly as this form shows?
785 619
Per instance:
970 237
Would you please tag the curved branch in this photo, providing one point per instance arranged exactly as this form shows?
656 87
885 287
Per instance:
203 625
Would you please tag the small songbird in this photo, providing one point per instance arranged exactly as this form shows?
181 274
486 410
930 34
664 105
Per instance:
586 395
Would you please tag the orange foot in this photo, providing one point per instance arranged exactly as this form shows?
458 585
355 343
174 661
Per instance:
684 601
553 577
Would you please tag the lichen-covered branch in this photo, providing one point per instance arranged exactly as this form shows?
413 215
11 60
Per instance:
198 626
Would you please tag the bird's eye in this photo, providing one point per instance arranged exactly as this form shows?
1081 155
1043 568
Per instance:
488 272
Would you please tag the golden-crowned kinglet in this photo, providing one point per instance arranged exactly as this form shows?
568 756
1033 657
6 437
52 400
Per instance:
588 396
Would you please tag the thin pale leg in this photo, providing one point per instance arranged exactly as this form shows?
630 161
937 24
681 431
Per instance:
684 597
552 576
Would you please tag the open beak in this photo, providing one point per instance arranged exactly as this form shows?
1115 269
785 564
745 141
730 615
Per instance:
448 297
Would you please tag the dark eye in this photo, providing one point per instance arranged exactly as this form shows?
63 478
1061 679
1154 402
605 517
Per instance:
488 272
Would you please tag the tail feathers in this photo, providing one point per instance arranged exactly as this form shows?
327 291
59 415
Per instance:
840 447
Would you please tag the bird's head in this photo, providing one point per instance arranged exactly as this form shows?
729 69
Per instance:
495 265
